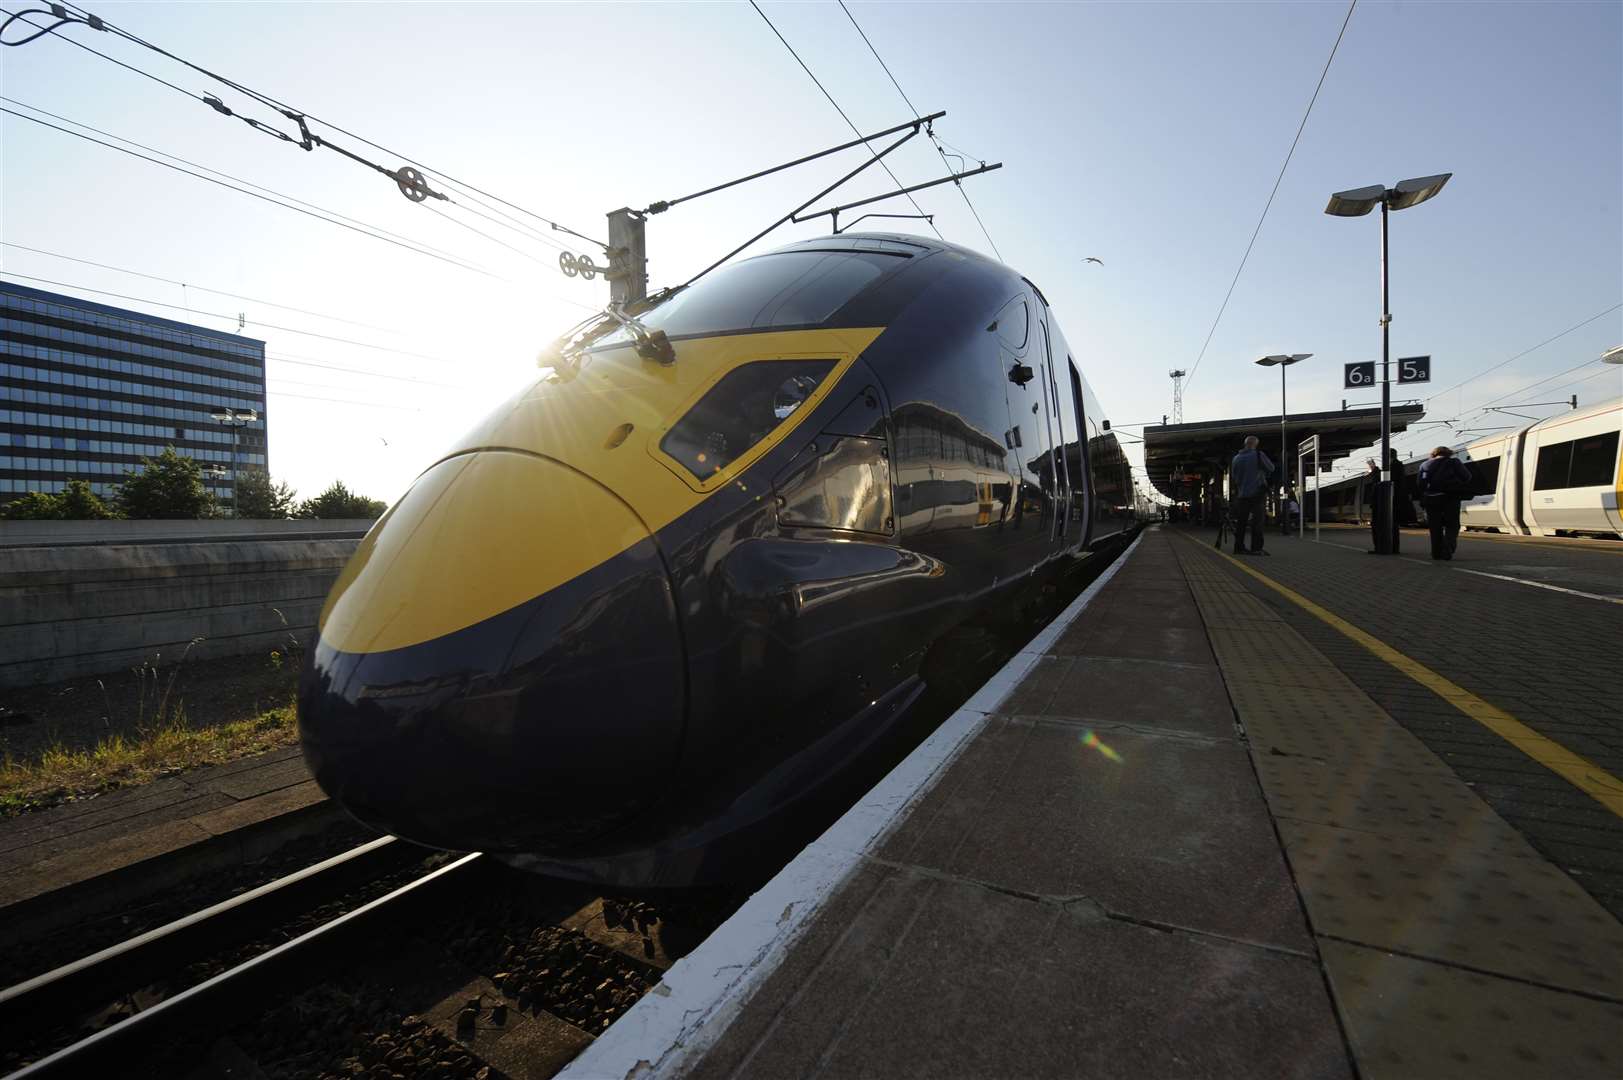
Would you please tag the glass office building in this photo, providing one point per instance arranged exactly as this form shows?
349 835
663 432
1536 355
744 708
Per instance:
87 391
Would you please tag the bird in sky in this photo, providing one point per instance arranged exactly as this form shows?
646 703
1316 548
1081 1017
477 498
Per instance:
1091 259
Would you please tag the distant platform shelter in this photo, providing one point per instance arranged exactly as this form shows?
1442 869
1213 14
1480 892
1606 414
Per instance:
1187 462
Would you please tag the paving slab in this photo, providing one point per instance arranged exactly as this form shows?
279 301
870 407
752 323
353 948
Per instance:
1517 917
914 975
1140 639
1116 692
1407 1018
1165 830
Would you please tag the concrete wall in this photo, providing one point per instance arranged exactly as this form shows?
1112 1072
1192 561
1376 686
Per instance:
31 533
88 607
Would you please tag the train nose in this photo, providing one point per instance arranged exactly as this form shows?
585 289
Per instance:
499 667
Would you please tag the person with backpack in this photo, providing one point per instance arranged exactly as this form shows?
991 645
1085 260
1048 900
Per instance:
1248 484
1444 481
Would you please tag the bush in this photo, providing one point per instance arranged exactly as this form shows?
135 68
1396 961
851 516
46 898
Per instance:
34 506
77 503
340 502
168 486
257 496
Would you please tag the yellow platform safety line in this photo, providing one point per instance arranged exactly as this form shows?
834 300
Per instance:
1583 774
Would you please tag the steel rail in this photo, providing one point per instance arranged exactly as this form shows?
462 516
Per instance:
173 944
233 993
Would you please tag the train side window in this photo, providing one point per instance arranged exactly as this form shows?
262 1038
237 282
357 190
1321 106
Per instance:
1593 460
1484 476
1013 324
1554 462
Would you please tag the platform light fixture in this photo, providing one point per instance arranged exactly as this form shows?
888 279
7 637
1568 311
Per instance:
236 420
1283 361
1614 355
1357 202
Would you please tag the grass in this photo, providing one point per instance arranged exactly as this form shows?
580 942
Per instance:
167 746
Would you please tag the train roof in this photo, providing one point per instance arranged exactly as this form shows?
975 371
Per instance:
895 243
1586 412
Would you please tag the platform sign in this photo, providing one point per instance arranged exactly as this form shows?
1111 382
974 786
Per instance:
1414 369
1308 445
1358 376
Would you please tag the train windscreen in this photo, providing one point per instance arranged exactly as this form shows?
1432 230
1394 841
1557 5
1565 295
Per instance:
777 291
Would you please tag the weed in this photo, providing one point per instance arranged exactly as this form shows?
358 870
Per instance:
63 775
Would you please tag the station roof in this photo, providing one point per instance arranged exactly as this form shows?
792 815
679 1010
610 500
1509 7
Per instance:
1177 450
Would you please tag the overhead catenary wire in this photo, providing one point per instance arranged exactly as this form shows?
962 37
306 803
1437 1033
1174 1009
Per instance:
231 318
1483 407
790 216
330 217
191 285
854 130
283 358
509 223
1269 204
958 184
1524 352
480 232
301 116
343 401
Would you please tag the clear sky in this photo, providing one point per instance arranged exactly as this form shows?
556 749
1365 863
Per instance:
1146 135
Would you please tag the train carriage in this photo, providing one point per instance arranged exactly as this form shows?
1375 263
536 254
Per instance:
1560 475
698 568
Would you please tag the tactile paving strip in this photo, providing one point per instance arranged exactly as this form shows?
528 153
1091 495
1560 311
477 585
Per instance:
1407 1018
1264 652
1232 610
1378 794
1517 917
1390 848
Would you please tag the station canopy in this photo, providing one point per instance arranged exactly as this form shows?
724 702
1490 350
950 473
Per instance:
1180 458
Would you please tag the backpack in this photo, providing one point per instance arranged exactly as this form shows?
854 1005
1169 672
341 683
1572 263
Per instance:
1449 476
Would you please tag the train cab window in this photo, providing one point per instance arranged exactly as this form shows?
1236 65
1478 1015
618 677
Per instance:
741 410
1013 324
1554 462
786 288
1593 460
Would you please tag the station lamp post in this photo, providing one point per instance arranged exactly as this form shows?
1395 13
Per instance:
236 420
1356 203
1283 361
1614 355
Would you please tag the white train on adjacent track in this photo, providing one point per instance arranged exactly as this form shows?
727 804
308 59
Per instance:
1559 476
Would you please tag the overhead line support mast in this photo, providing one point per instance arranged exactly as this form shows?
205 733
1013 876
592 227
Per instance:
627 249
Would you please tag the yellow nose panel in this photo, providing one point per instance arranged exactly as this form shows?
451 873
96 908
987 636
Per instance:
477 534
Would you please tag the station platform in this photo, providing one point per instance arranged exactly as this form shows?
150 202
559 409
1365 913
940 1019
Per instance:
95 855
1311 815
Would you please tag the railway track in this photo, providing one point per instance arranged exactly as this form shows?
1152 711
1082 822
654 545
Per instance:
205 993
49 1009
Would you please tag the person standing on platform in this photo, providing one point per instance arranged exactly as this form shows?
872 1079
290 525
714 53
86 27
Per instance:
1444 481
1402 501
1403 495
1248 485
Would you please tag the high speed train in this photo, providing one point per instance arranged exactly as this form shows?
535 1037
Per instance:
693 572
1561 475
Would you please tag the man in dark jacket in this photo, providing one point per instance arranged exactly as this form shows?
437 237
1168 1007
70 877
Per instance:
1402 502
1444 481
1248 484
